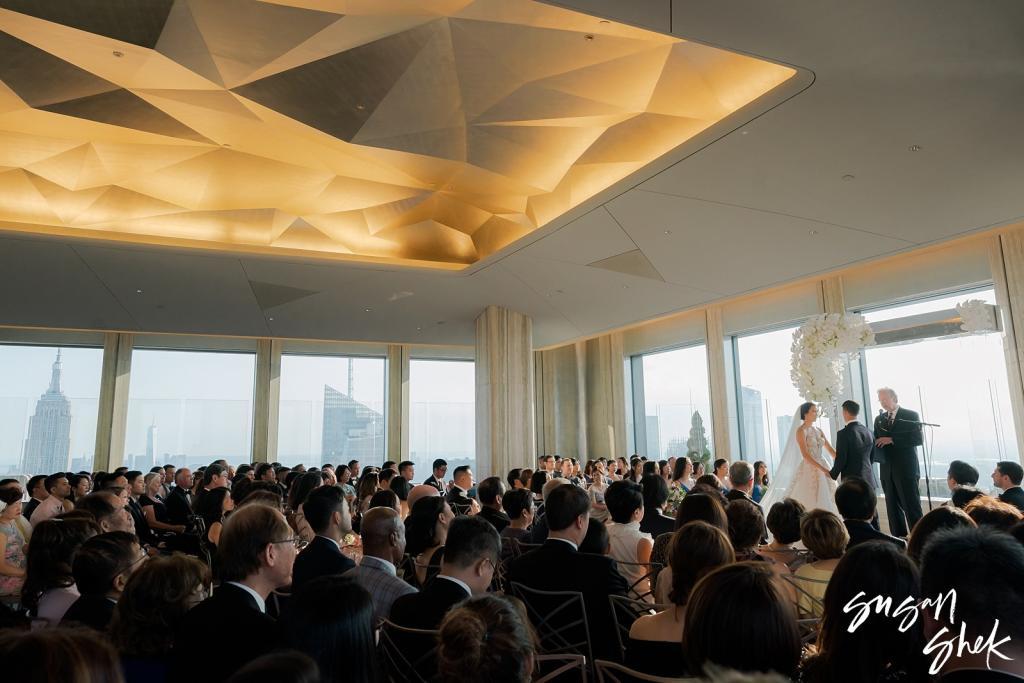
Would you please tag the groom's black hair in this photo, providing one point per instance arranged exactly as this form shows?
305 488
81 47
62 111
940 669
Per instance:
856 499
852 407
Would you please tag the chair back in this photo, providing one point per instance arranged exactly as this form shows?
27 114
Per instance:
641 588
560 668
626 610
560 619
611 672
804 598
409 655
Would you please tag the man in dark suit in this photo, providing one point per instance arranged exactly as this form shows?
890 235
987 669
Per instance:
327 513
490 491
897 436
741 474
436 478
559 566
1008 476
856 501
179 501
854 446
471 552
257 552
458 497
101 569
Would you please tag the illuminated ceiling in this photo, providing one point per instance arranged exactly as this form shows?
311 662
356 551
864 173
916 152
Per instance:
422 132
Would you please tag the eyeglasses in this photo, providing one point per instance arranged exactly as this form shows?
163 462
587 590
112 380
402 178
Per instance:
294 540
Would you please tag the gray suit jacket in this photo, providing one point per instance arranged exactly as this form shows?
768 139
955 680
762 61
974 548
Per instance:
854 444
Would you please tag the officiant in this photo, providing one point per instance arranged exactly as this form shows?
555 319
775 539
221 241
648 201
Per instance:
897 436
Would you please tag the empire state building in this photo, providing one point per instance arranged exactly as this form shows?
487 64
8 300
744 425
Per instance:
48 446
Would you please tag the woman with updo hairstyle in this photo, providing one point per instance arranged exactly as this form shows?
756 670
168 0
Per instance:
486 638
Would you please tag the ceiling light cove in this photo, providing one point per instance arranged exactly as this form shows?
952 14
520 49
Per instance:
409 132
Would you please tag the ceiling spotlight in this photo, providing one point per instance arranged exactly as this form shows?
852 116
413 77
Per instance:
419 329
668 232
589 36
848 177
360 107
270 319
118 53
367 309
604 21
744 132
138 291
914 148
625 286
813 232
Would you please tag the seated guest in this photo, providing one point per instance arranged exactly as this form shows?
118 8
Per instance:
881 648
733 607
961 473
513 479
539 531
214 477
153 506
490 492
825 535
101 569
558 566
151 610
330 618
470 556
856 501
760 480
784 526
421 491
524 479
653 647
942 517
962 495
625 503
1007 476
458 497
386 499
426 529
109 510
436 478
709 483
305 483
137 489
326 512
213 508
655 494
369 484
698 506
721 470
537 481
486 639
597 489
287 666
67 655
401 485
596 541
741 476
256 555
57 502
518 505
36 487
984 567
49 588
13 543
179 500
383 537
985 510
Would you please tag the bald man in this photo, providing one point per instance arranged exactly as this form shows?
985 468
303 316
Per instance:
421 491
383 535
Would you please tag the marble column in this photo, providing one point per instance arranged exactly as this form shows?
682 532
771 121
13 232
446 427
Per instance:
718 384
398 402
605 398
504 392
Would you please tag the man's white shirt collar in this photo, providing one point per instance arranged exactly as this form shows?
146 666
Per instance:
462 583
565 540
260 602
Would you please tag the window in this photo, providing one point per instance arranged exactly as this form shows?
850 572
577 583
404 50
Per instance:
49 399
442 422
677 404
332 410
959 382
766 398
189 408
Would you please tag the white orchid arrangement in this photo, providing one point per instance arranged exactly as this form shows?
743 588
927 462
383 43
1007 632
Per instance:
976 316
820 347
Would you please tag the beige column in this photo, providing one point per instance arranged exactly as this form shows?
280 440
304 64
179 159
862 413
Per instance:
398 403
267 401
719 386
1006 258
504 392
112 416
558 413
605 398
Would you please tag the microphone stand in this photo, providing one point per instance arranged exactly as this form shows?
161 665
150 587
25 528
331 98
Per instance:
927 457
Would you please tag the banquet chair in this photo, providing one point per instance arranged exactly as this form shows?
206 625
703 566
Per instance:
800 585
409 654
611 672
560 619
626 610
564 668
643 587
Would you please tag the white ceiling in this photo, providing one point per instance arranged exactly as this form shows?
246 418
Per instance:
764 204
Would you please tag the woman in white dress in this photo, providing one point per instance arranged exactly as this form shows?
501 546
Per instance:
803 471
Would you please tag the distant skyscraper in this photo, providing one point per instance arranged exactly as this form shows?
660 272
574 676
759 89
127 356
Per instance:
150 446
753 425
352 430
48 446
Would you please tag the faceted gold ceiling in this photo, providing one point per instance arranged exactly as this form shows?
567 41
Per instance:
413 131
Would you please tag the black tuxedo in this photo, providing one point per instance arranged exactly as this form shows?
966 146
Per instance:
28 508
142 530
230 622
322 557
1014 496
862 532
498 519
900 471
436 483
459 501
426 609
94 611
179 506
556 566
854 445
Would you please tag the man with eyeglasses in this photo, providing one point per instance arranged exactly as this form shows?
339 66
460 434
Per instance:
257 552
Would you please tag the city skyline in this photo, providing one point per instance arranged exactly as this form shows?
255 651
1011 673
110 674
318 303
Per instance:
48 444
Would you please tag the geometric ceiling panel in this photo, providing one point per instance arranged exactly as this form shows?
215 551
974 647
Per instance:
420 132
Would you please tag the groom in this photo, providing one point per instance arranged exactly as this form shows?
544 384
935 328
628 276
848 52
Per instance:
897 439
854 446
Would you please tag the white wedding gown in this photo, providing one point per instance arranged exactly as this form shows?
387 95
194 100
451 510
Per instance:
796 478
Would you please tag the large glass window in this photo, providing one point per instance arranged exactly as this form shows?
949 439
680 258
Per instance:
442 423
189 408
332 410
767 398
677 404
49 398
959 382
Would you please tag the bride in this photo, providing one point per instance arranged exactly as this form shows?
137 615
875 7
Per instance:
803 472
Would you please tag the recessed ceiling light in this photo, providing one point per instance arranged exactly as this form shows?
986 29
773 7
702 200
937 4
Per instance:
914 148
367 309
604 21
118 53
589 36
138 291
419 329
813 232
744 132
270 319
625 286
668 232
848 177
360 107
